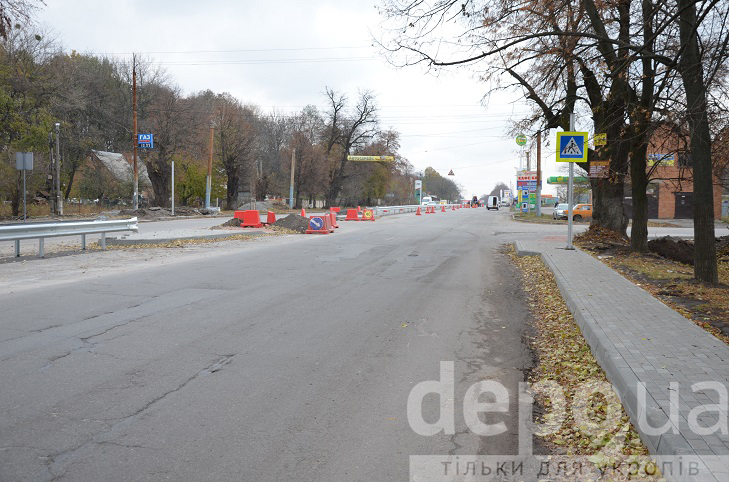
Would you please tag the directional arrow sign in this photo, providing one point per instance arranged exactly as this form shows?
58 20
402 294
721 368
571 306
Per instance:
572 146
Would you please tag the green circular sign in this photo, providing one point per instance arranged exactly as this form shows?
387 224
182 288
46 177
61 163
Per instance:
521 140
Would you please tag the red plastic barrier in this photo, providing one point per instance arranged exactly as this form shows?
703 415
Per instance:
251 219
335 209
352 215
238 214
319 225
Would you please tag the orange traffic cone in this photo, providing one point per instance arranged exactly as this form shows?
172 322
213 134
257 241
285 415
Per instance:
359 209
303 212
442 209
271 217
417 213
453 208
333 217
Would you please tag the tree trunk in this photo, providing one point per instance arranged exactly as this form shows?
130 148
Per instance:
160 186
17 195
638 186
608 211
231 194
692 74
336 183
70 184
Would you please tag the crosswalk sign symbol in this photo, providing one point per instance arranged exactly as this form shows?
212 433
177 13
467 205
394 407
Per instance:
572 147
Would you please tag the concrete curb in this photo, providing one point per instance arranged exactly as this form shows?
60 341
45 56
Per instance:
618 371
132 242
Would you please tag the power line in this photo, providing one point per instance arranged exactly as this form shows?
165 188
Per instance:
266 61
293 49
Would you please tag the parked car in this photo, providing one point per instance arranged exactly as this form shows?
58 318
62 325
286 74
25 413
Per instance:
581 211
560 211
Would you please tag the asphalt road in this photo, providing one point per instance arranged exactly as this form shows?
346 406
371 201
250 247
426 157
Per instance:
287 358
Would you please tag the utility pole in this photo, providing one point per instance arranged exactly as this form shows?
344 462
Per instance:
539 173
291 186
59 193
209 180
135 202
173 187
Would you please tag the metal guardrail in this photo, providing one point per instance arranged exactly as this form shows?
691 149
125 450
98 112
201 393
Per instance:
410 208
40 231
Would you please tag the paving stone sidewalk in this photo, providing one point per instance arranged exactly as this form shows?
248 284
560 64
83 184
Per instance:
638 339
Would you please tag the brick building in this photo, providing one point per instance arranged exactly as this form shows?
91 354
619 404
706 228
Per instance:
670 190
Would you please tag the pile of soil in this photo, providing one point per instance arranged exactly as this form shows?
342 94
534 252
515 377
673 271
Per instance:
602 240
675 249
264 206
158 212
293 222
232 222
682 250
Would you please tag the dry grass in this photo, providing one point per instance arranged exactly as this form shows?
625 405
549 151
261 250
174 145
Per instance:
533 218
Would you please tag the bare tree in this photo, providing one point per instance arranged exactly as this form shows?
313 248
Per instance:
235 137
344 131
16 11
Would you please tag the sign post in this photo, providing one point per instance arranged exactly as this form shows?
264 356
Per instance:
571 147
24 162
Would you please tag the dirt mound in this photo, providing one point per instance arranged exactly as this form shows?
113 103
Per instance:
598 234
676 249
722 248
293 222
264 206
158 212
231 222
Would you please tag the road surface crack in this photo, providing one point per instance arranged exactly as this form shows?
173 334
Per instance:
60 462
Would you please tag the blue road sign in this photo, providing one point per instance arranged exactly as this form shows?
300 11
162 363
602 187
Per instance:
145 140
572 146
316 224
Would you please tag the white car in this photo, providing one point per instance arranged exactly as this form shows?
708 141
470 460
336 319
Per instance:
560 211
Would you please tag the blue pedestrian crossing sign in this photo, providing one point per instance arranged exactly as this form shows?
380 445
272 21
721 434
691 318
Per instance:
572 146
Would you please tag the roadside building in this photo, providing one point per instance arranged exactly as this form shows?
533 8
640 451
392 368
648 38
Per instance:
671 190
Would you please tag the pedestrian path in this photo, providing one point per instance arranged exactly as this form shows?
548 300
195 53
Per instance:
639 340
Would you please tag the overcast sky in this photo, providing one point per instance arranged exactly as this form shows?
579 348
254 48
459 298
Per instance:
281 55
